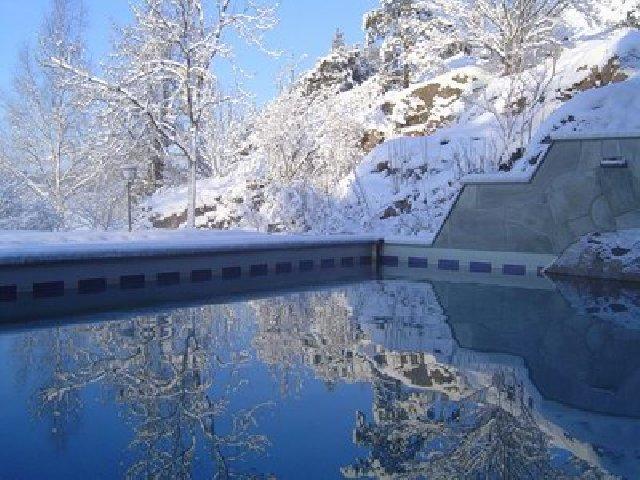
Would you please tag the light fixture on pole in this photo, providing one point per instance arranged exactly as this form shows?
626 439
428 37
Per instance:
129 173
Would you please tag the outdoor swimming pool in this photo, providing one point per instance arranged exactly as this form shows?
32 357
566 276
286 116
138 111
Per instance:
375 378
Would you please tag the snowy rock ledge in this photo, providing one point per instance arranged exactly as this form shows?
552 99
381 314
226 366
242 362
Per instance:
614 255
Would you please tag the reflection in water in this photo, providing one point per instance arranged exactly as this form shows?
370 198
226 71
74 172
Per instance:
467 382
161 369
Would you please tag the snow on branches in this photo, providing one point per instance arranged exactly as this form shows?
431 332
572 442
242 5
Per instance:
515 34
163 79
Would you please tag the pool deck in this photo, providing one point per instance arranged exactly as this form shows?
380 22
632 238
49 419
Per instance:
30 248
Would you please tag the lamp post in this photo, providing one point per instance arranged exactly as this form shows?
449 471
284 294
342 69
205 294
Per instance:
129 173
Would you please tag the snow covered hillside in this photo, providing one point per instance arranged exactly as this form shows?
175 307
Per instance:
360 145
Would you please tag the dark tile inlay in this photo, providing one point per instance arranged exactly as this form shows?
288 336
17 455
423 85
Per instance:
450 265
8 293
131 282
328 263
168 278
306 265
229 273
366 261
389 261
348 262
514 270
48 289
480 267
92 285
418 262
284 267
199 276
259 270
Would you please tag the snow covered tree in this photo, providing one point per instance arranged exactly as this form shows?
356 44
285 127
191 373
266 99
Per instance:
47 147
308 141
284 138
21 209
518 104
164 78
517 34
412 38
633 16
338 40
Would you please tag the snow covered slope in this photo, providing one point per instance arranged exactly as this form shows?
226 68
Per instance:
417 143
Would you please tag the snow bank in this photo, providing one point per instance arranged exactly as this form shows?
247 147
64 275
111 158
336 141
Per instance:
21 246
614 255
407 186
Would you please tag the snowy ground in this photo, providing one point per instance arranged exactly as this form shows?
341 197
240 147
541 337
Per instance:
614 255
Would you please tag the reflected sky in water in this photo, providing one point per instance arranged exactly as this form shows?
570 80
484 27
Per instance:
381 379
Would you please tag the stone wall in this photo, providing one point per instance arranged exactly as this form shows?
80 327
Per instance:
570 195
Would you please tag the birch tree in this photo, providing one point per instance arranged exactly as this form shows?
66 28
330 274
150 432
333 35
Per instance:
46 147
164 76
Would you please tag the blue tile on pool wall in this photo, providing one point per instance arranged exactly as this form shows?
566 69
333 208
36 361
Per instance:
131 282
480 267
284 267
8 293
229 273
418 262
328 263
366 261
167 279
389 261
451 265
306 265
348 262
48 289
259 270
198 276
514 269
88 286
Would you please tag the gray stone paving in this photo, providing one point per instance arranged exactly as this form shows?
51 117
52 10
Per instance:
570 195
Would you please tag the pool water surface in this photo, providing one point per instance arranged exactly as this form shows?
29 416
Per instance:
374 379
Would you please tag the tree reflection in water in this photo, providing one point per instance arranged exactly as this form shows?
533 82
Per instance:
431 419
438 412
420 435
162 370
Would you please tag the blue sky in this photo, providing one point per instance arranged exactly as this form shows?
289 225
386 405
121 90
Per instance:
306 27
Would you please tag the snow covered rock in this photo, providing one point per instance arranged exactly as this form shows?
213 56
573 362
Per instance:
613 255
425 107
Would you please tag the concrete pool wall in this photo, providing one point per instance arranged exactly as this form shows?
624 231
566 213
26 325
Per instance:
497 232
583 185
